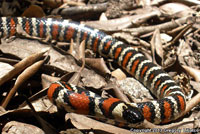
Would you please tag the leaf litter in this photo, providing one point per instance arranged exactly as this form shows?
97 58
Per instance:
136 23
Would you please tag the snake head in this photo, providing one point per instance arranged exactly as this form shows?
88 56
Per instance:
132 114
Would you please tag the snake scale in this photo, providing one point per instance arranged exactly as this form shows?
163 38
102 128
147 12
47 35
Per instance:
171 99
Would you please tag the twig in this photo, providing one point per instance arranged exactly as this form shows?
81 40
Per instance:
162 27
80 10
178 36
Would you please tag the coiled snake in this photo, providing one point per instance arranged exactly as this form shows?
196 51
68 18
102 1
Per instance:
171 99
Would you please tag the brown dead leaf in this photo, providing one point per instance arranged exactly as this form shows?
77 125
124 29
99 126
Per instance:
48 128
113 24
71 48
19 128
92 79
77 50
26 74
83 122
58 63
98 64
173 10
75 78
82 55
163 27
52 3
184 52
22 48
113 85
184 82
21 66
47 80
82 52
34 11
37 102
118 24
156 48
72 78
195 73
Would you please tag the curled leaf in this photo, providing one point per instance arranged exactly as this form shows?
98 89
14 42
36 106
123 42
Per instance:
156 47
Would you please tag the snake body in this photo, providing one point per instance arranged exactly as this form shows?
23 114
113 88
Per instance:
171 99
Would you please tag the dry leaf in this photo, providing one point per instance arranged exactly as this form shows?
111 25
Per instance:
83 122
47 80
176 10
156 48
72 78
52 3
34 11
21 66
26 74
21 128
113 85
82 52
48 128
195 73
118 24
98 64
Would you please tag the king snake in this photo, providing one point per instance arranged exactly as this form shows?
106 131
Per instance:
171 99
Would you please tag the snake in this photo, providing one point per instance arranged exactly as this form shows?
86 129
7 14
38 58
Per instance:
170 102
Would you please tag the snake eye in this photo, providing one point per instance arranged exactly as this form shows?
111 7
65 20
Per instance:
132 115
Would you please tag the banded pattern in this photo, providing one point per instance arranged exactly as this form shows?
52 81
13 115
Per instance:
78 100
171 99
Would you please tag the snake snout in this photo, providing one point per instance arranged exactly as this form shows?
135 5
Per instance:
133 115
